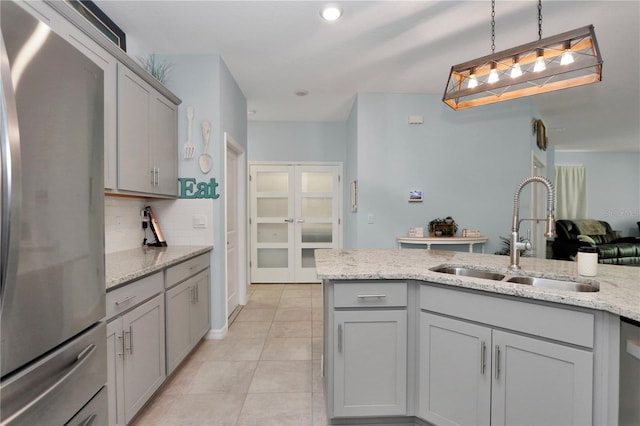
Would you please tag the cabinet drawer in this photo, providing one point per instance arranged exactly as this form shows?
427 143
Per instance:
369 294
126 297
184 270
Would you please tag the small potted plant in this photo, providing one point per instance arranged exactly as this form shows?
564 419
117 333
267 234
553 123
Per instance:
446 227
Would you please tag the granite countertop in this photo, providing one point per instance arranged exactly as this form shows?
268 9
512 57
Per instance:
619 285
127 265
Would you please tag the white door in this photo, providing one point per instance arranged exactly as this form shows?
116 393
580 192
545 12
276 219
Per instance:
235 190
232 231
295 209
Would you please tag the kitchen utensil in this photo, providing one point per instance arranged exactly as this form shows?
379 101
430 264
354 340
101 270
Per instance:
205 159
189 147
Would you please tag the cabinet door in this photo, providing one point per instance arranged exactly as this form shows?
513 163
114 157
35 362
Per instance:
200 310
164 140
540 383
179 301
454 371
135 171
370 363
115 358
144 348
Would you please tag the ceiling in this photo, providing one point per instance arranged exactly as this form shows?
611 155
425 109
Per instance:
275 48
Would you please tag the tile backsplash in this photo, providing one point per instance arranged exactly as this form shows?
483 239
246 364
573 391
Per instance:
122 223
183 222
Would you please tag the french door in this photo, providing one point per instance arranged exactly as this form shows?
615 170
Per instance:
295 209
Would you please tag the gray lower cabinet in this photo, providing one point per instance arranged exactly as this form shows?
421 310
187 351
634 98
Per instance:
473 374
370 363
368 349
187 317
136 358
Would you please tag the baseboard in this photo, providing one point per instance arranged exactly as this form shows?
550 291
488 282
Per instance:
217 334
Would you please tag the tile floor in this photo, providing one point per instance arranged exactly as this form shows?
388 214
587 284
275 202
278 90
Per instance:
265 372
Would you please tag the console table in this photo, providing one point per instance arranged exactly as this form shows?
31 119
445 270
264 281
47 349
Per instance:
429 241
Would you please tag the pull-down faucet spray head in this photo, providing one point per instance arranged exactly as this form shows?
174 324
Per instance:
550 223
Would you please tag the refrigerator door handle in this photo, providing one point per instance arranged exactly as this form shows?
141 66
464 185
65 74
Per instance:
9 174
81 360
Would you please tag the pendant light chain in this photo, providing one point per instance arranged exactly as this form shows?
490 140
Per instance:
493 26
539 19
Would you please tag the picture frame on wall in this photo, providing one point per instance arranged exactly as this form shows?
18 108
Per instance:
92 13
415 196
541 134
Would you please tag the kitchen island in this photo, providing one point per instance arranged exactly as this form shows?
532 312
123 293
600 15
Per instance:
405 343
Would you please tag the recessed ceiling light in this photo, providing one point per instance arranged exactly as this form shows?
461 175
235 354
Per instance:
331 13
251 112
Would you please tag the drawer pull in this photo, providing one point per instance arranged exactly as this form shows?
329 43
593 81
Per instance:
497 362
483 358
371 296
125 300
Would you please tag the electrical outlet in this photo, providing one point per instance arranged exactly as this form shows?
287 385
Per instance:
370 218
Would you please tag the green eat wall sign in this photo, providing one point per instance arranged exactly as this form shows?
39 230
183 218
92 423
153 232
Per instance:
189 188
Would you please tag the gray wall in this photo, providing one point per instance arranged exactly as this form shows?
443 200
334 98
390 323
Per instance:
467 163
296 141
613 186
204 82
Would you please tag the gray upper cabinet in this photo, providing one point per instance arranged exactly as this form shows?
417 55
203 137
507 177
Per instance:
147 138
140 114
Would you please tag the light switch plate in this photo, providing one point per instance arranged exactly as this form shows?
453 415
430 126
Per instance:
199 221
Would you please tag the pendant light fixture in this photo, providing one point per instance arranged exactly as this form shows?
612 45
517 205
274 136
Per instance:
558 62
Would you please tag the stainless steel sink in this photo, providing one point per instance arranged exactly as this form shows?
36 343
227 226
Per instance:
555 284
468 272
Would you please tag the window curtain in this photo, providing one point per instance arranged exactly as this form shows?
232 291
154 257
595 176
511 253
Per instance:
571 192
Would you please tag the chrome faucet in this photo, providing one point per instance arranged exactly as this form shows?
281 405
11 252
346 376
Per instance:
550 224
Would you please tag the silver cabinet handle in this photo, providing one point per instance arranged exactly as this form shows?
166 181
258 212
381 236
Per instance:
299 220
158 176
289 220
125 300
121 340
130 335
339 338
153 177
369 296
483 358
197 294
497 362
89 420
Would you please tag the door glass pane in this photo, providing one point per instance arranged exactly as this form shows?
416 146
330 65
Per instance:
273 232
273 258
316 207
272 181
308 259
273 207
317 182
316 233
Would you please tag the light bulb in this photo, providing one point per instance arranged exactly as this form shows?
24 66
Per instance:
331 13
493 76
473 82
516 71
540 65
567 57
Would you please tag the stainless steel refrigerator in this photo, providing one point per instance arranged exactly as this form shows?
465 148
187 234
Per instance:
52 294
